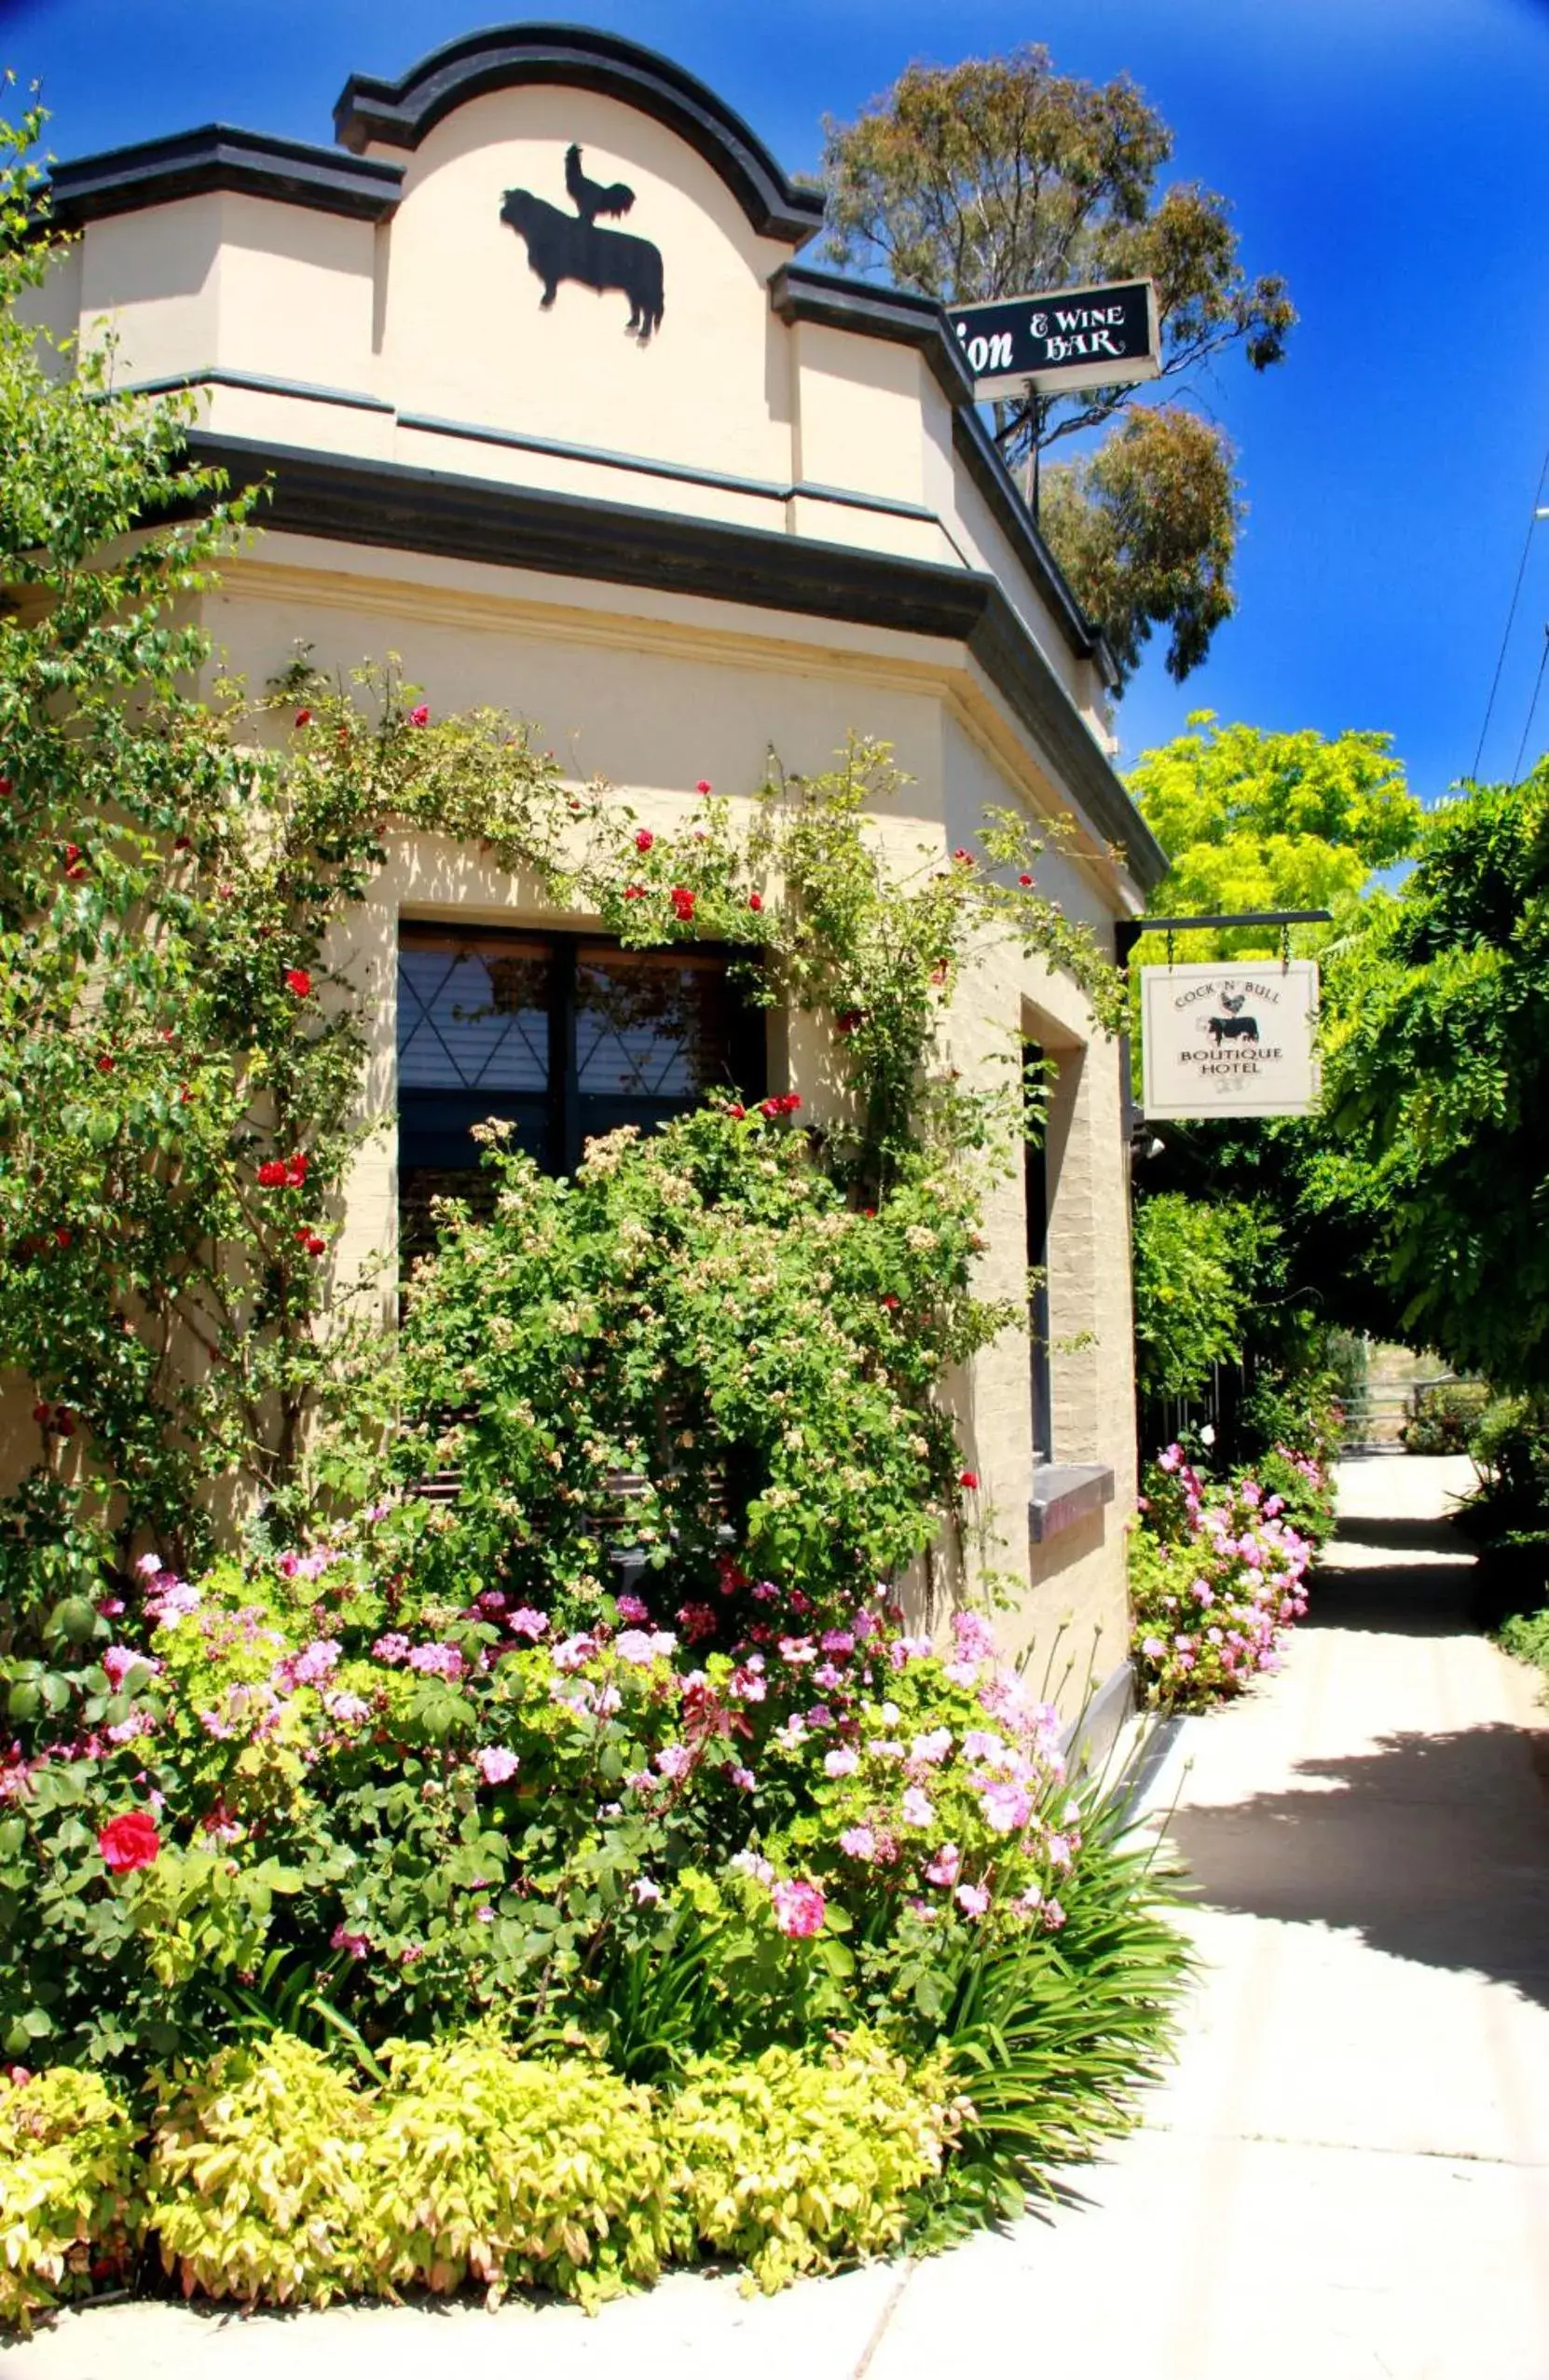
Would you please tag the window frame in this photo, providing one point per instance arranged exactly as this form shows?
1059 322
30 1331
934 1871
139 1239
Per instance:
1037 1206
747 1047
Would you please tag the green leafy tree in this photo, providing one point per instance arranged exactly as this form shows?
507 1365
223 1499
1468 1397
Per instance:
1252 819
998 176
1437 1086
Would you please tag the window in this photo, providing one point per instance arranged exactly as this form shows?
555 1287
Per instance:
562 1035
1037 1076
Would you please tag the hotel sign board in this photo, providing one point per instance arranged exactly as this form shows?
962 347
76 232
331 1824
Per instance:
1230 1040
1067 338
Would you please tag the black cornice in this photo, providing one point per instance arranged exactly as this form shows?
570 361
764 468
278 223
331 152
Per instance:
219 156
359 502
399 114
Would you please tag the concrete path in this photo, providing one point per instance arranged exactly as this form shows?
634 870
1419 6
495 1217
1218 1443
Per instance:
1346 2178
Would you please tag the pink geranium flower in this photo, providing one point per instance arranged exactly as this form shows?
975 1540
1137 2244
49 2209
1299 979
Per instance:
800 1908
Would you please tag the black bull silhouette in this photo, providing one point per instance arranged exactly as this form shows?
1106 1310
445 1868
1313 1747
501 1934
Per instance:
1222 1029
560 248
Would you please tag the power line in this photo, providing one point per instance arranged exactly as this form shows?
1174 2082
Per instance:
1511 615
1537 683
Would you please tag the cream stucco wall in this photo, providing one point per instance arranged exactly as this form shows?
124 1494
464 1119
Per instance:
419 341
651 703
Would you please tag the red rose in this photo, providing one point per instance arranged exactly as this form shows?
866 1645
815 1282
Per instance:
682 904
789 1103
105 1066
6 786
271 1174
644 840
702 785
299 981
62 1237
891 1303
183 842
755 902
307 1238
968 1478
633 892
770 1107
736 1113
64 1422
43 1415
295 1171
129 1841
420 715
964 858
1024 880
304 717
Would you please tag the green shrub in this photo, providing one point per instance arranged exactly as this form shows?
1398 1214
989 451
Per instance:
1193 1264
69 2187
704 1311
491 2166
1446 1415
796 2162
1525 1634
255 2181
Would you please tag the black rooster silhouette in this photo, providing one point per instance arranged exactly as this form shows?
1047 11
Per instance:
1232 1002
593 199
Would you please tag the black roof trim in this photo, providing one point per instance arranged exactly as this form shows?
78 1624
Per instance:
800 295
220 157
987 468
396 505
399 114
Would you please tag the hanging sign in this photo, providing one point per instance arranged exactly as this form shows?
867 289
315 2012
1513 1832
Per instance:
1230 1040
1067 338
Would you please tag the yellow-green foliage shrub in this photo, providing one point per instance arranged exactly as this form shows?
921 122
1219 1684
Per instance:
69 2185
792 2162
495 2167
255 2179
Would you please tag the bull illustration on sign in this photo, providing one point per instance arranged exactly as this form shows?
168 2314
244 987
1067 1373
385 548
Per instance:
574 248
1232 1026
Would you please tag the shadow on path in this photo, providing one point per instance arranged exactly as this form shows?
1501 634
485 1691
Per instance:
1432 1847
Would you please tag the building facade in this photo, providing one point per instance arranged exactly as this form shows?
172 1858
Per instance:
548 405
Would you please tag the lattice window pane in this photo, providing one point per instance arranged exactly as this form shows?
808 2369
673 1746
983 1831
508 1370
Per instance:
473 1015
650 1024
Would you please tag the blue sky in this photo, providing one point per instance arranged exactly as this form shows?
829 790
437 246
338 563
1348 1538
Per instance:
1387 156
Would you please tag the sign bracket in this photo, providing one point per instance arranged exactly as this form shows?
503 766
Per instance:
1129 930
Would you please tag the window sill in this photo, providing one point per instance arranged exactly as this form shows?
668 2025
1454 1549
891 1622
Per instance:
1065 1493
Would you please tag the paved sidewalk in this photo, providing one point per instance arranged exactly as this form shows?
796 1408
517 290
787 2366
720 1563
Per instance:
1346 2178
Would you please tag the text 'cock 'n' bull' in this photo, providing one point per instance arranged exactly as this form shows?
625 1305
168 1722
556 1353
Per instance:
571 248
